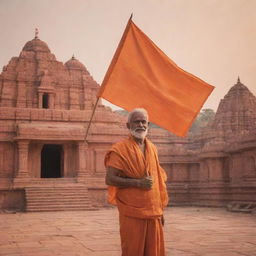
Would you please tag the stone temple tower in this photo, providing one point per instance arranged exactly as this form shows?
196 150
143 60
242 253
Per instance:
45 107
36 79
236 113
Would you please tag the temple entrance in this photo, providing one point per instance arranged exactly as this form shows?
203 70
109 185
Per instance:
51 161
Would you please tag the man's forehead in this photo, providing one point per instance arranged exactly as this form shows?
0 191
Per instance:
139 116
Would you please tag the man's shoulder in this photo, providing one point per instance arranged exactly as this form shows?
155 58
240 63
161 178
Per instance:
121 144
119 149
151 144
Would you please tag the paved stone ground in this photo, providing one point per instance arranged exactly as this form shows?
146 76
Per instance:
189 231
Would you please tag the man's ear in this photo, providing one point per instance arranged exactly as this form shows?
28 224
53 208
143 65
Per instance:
128 125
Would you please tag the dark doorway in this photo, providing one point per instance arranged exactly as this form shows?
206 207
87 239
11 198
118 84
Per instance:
51 161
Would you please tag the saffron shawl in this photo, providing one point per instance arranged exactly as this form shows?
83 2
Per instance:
127 157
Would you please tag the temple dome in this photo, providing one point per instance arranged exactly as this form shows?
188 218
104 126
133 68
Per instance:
36 45
238 90
73 63
239 98
237 111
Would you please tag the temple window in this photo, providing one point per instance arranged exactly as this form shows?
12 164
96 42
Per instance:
45 100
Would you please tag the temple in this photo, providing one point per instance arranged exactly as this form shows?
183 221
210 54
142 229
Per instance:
46 165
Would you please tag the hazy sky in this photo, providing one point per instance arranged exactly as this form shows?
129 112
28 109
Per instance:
212 39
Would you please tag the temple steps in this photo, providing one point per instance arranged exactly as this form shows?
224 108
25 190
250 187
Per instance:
56 209
61 198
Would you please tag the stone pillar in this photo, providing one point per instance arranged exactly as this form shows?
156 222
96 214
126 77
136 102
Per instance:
22 178
23 160
40 100
69 168
51 100
82 172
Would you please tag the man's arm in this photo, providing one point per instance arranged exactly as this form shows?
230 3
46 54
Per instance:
113 178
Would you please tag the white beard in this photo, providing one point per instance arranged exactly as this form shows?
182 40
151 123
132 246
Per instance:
139 134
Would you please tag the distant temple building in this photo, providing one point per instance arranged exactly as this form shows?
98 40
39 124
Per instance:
46 165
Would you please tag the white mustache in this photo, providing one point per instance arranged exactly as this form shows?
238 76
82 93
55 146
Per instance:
140 129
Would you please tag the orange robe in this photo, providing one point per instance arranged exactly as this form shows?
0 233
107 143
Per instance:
140 210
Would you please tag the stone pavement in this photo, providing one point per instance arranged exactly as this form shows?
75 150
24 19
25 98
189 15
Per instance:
189 231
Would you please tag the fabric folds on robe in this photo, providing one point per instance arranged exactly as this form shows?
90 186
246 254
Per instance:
127 157
141 237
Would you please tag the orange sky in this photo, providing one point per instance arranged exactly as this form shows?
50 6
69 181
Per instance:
212 39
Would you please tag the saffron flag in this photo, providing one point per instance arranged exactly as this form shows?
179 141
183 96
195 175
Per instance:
142 76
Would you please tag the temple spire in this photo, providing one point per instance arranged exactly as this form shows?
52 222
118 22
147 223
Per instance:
73 57
36 33
238 80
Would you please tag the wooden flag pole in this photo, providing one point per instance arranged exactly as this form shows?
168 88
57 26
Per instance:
88 127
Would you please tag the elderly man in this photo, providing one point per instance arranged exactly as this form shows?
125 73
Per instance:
137 186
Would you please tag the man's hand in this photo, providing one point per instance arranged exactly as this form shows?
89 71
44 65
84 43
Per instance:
145 182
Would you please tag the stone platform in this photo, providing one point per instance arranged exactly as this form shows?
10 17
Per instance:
189 231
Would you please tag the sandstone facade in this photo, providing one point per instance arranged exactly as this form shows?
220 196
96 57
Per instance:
45 164
218 165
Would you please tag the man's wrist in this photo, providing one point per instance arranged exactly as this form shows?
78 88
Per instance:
135 183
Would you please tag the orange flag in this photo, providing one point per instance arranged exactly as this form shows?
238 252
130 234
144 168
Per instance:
141 75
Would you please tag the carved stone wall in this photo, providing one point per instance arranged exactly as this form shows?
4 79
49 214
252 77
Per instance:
224 153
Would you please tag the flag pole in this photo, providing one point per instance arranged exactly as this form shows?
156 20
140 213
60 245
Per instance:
93 111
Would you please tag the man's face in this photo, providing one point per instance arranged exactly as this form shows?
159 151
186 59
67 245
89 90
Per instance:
138 125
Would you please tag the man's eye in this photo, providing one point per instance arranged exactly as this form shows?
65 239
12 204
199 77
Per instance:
137 122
